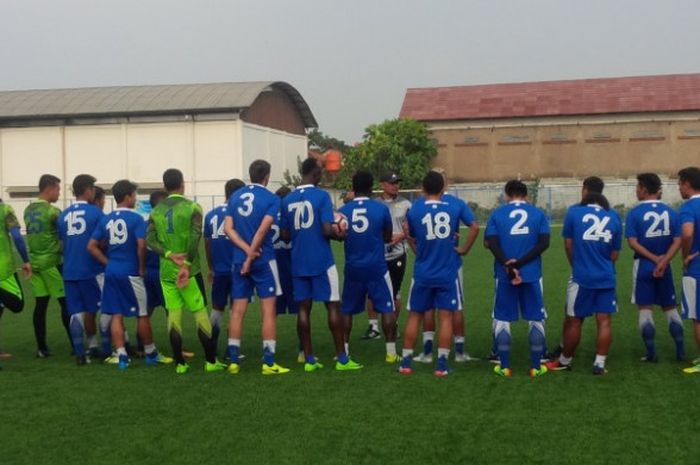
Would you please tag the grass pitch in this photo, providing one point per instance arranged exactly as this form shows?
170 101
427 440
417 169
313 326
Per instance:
52 411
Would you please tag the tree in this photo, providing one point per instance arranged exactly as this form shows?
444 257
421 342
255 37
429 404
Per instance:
321 142
401 145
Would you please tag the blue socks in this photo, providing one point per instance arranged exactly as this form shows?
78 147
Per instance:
233 353
676 330
648 334
343 358
76 333
537 343
503 346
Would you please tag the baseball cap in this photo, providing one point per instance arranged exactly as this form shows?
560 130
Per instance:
390 176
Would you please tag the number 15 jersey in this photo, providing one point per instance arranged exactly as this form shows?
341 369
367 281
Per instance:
596 233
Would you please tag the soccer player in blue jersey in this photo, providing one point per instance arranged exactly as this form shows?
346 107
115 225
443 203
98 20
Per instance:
432 225
517 234
250 214
124 293
283 255
592 240
366 273
219 249
307 219
689 187
468 219
653 232
82 273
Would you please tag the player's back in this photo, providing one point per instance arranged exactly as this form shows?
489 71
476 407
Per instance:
466 216
518 226
364 244
75 227
654 224
596 233
304 212
42 234
178 223
121 229
221 246
8 220
433 224
690 213
248 207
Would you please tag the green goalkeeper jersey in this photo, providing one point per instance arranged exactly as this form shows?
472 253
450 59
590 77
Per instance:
42 235
7 255
175 226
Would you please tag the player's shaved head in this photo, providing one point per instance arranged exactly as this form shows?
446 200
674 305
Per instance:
173 179
362 182
690 175
593 184
48 180
258 171
231 186
155 198
516 189
122 189
81 184
649 181
310 170
433 183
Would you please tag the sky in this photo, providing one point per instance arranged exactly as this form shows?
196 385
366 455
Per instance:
352 60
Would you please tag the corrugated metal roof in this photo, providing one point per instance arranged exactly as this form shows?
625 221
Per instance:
142 100
679 92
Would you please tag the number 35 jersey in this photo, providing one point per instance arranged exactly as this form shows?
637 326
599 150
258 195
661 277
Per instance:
434 224
121 231
75 226
596 233
655 225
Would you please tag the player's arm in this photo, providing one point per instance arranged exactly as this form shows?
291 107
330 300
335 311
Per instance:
152 240
471 238
262 231
12 226
494 245
641 250
539 248
687 234
569 249
195 235
232 234
94 248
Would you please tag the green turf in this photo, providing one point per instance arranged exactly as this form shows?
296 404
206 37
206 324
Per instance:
52 411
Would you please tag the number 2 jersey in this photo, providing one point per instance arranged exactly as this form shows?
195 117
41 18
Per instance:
596 233
434 224
75 227
655 225
121 230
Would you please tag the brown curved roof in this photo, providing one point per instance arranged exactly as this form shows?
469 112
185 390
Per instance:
676 92
142 100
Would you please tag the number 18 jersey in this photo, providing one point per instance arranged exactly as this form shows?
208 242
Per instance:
121 229
434 225
595 233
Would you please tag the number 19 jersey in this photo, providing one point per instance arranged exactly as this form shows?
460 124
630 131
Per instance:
595 233
434 225
304 212
121 229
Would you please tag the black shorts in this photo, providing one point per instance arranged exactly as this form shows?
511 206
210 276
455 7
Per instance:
397 269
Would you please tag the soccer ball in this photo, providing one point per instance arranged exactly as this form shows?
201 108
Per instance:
340 221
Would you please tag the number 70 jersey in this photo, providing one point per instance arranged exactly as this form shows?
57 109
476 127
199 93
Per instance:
121 230
596 233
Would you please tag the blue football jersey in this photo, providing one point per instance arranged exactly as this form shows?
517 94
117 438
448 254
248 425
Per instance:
595 233
655 225
466 216
152 260
304 212
433 224
518 226
75 227
690 213
364 243
221 246
121 229
248 207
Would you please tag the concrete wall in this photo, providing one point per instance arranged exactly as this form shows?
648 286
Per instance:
279 148
498 150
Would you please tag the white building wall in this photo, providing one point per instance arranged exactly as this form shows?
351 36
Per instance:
279 148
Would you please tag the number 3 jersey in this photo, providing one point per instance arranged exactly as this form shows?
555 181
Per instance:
248 207
121 230
75 227
655 225
518 226
596 233
434 224
304 211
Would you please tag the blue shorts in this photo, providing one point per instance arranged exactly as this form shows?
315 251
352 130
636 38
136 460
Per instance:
84 295
263 278
582 302
320 288
154 291
124 295
648 290
221 289
423 298
524 299
690 298
356 289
